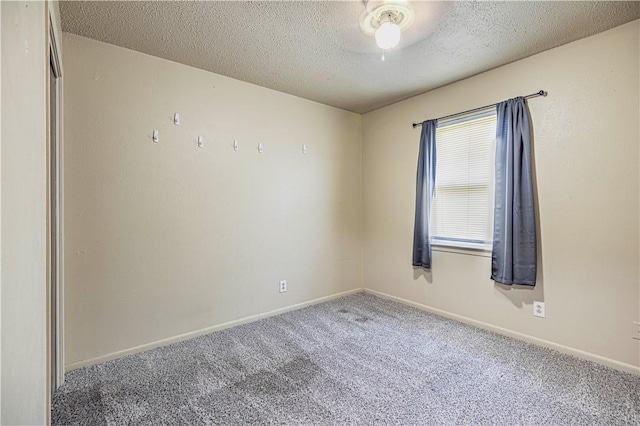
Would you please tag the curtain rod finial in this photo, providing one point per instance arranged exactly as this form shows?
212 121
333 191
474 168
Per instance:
542 93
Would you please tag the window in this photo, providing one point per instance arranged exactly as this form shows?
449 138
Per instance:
462 209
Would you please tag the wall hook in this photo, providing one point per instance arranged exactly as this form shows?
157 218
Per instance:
156 136
260 147
304 149
176 119
200 141
235 145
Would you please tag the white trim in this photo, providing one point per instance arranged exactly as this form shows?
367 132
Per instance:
460 250
60 225
54 53
480 324
61 270
0 221
443 242
203 331
473 249
628 368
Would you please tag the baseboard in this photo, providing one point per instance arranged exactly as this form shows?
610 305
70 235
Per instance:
628 368
203 331
480 324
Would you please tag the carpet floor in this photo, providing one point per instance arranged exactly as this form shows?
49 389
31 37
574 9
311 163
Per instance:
358 360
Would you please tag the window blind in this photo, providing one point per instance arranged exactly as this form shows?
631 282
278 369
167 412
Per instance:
462 209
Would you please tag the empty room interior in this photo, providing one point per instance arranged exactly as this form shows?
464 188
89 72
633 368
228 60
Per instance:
319 212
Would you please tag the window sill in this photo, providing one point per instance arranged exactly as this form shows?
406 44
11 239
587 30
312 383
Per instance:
470 249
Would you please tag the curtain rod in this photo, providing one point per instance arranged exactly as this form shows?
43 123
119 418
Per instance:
533 95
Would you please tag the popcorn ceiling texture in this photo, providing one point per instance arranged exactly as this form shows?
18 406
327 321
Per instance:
316 50
357 360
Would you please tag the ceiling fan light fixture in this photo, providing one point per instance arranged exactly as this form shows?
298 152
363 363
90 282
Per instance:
388 35
385 20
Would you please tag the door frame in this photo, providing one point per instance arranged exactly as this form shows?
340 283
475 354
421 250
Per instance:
55 325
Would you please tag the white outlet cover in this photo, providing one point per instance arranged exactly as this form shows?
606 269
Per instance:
283 286
538 309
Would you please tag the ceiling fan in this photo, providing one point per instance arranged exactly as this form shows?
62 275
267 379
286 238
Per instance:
388 21
385 20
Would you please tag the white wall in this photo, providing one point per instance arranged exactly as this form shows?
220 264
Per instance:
586 159
24 52
165 239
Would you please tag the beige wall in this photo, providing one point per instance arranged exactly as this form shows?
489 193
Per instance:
586 159
24 35
165 239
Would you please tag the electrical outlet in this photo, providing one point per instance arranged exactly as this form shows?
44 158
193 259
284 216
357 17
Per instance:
538 309
283 286
635 333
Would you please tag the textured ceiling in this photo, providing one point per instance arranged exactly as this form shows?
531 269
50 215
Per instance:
316 49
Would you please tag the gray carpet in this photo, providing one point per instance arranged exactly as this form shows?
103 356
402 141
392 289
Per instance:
359 360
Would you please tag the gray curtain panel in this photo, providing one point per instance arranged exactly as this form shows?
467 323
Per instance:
514 228
425 183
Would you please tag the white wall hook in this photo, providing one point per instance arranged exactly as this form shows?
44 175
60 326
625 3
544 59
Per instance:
235 145
176 119
200 141
260 147
304 149
156 136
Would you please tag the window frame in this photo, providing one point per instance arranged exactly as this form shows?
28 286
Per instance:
468 246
